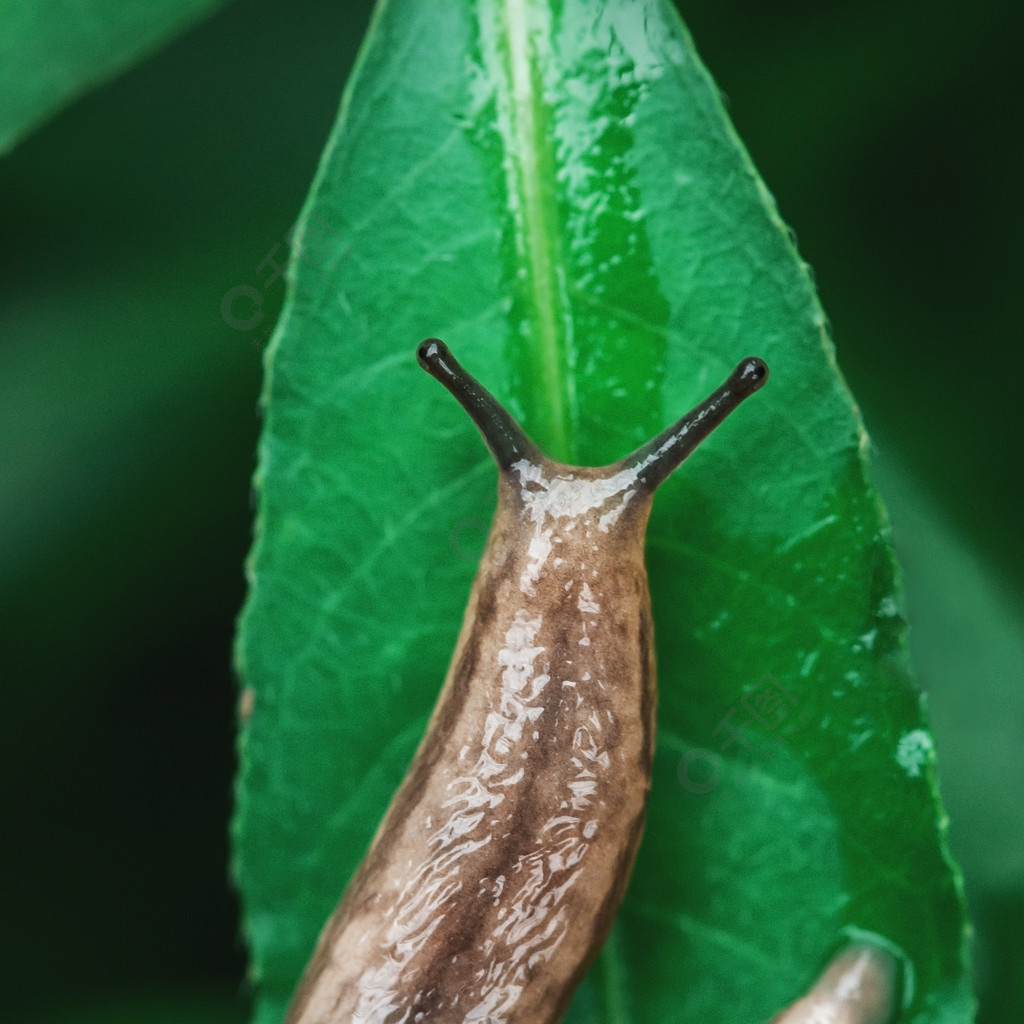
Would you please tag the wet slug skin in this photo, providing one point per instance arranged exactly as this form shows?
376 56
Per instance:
495 874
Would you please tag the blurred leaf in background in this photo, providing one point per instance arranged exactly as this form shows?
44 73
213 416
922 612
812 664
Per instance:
968 645
127 423
52 51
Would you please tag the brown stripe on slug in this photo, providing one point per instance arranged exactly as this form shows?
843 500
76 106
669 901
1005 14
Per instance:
497 871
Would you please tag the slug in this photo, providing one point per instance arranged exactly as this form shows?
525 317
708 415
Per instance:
496 872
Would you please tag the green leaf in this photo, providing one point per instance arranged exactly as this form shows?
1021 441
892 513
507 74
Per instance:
556 191
52 51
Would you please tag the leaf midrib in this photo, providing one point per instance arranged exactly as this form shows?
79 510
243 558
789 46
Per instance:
528 157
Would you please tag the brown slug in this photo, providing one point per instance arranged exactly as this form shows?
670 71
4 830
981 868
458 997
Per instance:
496 872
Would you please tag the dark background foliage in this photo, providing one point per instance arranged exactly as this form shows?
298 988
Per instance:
128 419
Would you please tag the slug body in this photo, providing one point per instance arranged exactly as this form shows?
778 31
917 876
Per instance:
497 871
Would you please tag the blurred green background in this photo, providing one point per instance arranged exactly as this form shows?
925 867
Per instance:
889 133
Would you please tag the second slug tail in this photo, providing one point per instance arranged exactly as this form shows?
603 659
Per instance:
859 986
660 456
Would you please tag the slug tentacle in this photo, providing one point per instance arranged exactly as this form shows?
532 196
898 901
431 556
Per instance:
505 438
496 873
657 459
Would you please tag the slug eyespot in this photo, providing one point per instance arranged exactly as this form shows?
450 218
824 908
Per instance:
494 876
429 350
752 373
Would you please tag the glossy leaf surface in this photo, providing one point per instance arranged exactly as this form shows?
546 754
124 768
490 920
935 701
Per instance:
555 190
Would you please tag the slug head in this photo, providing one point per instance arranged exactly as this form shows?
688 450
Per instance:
651 462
